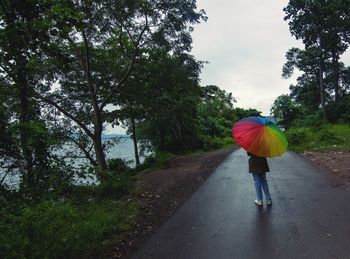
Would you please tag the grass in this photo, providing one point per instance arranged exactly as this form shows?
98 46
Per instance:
86 223
320 138
53 229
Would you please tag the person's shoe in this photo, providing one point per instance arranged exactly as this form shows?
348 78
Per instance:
258 202
269 202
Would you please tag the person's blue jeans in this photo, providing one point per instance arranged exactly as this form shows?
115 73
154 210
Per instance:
261 184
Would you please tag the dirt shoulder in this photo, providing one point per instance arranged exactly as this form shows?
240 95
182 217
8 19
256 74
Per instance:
164 190
336 163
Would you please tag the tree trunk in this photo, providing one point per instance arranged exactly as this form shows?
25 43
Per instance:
19 78
335 65
32 148
98 124
100 156
321 69
161 138
322 97
24 119
137 159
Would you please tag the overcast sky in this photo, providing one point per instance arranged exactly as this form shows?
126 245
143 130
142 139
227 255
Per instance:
245 42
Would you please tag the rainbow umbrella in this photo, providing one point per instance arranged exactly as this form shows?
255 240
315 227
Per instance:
260 137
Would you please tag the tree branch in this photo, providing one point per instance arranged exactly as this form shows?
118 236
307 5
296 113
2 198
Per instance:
69 115
86 152
128 72
88 69
7 172
77 52
92 89
8 72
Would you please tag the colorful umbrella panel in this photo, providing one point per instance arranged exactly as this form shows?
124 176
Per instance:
260 137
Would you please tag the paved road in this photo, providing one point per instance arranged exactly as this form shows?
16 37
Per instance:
310 217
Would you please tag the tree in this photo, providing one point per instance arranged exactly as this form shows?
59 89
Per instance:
306 91
284 110
166 107
92 49
241 113
322 25
215 111
21 41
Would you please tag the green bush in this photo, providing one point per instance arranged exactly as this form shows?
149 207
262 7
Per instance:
55 229
320 137
211 143
148 162
115 185
118 165
298 136
339 111
229 141
313 120
157 160
327 137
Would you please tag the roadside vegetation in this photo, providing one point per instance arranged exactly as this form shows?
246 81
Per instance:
323 138
70 68
316 112
67 70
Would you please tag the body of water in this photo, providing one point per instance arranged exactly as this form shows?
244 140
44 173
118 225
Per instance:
123 148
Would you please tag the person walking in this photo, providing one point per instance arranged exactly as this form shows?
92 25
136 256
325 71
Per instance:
258 167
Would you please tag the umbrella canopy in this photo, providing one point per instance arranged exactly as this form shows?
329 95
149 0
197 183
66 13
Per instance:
260 137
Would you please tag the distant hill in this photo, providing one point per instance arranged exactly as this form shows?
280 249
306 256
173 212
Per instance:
111 136
107 136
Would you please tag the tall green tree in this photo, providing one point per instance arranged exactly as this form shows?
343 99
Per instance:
165 107
321 25
216 113
21 43
284 110
241 113
97 45
306 91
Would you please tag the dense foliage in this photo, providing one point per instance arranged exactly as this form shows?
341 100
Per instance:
67 70
322 91
53 229
62 63
319 137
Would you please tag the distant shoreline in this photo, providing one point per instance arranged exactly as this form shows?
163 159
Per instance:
111 136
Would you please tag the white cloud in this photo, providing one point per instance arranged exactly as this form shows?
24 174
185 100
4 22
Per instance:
245 43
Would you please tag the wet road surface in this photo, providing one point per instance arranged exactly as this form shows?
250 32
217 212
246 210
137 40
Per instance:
310 216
